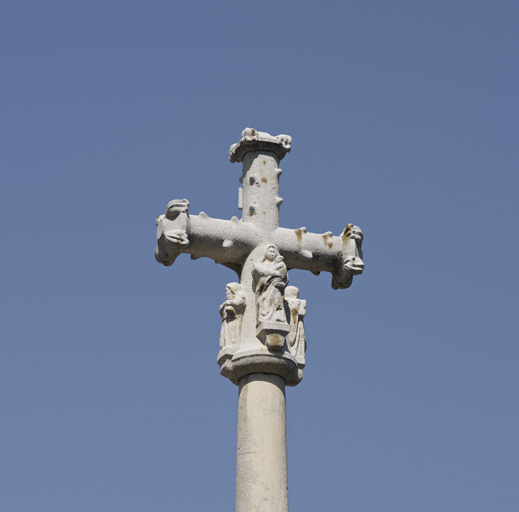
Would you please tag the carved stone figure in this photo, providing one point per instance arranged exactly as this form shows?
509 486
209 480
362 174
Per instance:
231 312
351 262
270 278
262 339
296 311
172 232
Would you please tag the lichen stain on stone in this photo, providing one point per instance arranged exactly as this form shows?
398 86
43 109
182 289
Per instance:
294 315
264 162
299 234
264 180
276 340
347 232
330 245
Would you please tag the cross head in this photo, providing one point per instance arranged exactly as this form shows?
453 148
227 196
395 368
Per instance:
262 317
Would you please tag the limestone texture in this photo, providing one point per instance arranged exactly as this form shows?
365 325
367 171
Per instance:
258 318
262 339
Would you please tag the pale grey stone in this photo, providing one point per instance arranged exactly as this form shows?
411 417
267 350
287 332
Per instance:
261 457
231 312
242 245
262 339
270 278
296 311
252 140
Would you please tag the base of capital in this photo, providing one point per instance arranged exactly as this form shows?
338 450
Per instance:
254 361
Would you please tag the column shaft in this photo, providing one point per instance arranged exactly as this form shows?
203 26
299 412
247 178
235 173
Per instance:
261 189
261 462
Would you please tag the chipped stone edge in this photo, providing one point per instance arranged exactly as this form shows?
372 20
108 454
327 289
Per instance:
252 140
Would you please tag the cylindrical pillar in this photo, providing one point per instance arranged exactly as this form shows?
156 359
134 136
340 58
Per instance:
261 461
260 182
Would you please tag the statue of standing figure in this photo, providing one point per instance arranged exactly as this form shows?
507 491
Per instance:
270 278
296 311
231 312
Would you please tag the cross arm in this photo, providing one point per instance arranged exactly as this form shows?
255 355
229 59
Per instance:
340 255
229 241
225 241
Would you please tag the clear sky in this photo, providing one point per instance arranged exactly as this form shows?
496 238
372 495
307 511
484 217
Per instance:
404 121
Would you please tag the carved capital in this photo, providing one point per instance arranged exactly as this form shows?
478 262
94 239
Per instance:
257 322
245 363
252 140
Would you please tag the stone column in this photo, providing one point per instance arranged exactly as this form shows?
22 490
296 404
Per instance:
260 181
261 461
262 341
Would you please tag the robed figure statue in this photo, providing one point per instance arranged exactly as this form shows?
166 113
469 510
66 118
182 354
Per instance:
296 311
270 278
231 312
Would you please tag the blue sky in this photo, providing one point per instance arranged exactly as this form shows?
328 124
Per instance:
404 121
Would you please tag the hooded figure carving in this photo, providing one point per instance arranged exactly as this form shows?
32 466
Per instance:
231 312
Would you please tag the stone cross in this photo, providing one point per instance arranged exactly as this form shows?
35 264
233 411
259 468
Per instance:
262 341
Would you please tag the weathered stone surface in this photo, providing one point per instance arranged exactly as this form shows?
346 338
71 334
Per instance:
252 140
231 312
243 245
296 311
262 339
261 457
